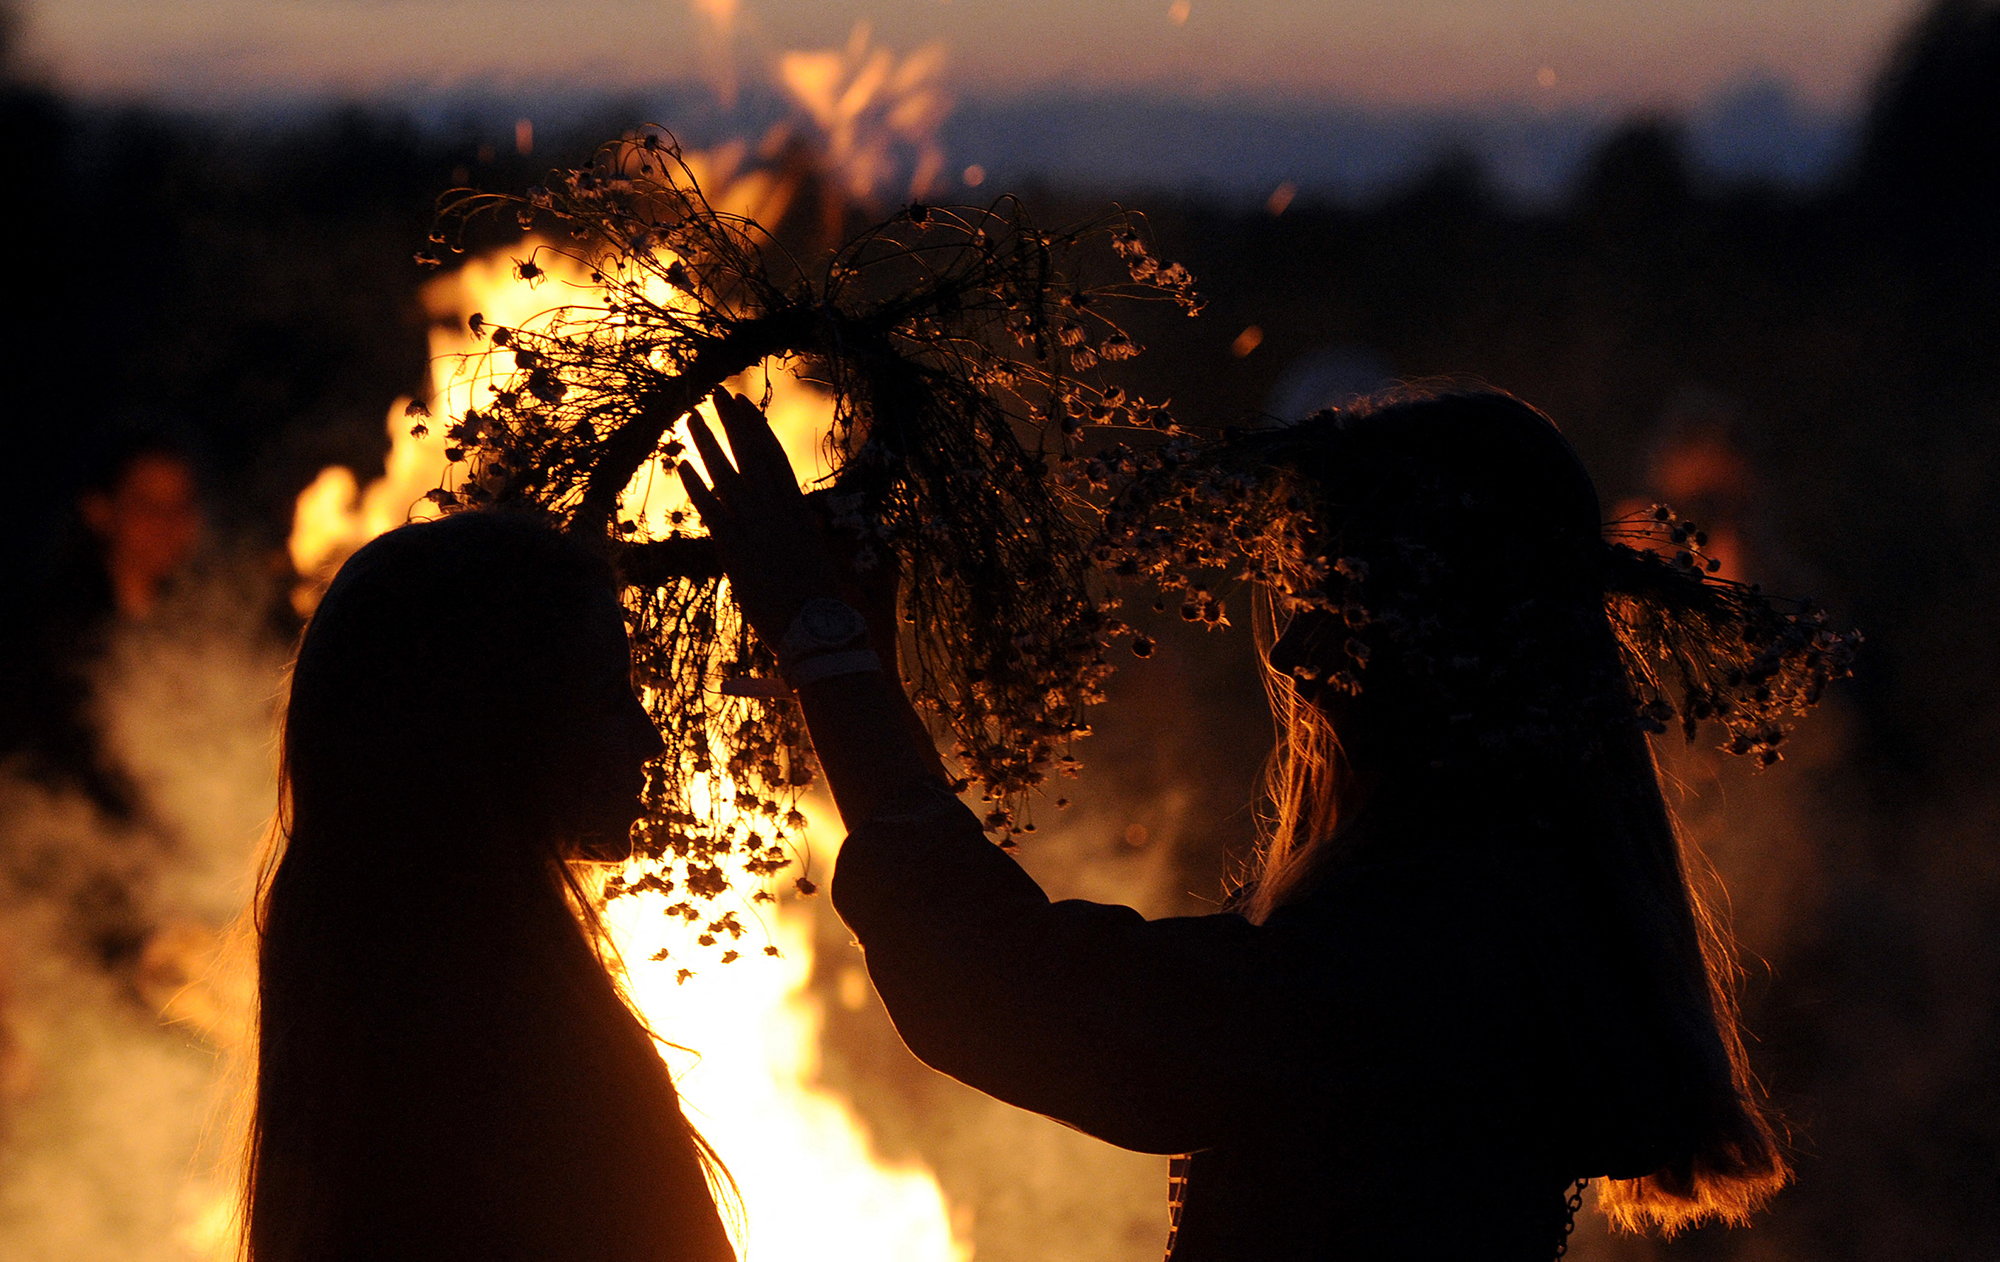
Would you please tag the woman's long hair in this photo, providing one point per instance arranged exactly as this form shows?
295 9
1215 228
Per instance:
1516 527
446 1068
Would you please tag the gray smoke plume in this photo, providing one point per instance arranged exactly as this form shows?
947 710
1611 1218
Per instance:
116 1140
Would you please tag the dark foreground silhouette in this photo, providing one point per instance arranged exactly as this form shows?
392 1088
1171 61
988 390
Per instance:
446 1069
1470 969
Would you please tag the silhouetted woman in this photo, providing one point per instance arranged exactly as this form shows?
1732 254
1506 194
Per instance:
1470 968
446 1069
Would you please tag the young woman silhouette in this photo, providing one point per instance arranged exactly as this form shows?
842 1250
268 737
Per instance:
446 1069
1469 969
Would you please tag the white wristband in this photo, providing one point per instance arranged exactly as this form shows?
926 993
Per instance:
822 625
827 665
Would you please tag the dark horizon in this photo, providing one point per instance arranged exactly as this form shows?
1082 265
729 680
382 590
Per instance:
1236 147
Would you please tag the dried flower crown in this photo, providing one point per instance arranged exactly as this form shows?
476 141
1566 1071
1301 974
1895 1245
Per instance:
1703 649
1441 591
961 348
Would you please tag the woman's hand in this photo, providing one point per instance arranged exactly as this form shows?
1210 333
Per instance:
874 748
771 542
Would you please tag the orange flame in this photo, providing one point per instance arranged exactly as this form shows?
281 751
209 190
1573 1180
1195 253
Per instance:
811 1186
867 100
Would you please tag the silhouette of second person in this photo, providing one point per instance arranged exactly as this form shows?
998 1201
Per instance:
446 1070
1470 968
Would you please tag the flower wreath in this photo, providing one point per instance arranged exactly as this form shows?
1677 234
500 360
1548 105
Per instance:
1470 598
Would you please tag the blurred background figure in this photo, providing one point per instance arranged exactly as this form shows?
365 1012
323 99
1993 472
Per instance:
137 523
1696 464
147 520
134 777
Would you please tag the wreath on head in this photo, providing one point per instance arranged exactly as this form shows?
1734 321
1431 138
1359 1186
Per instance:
963 350
1460 598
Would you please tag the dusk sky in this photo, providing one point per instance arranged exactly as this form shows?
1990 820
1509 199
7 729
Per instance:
1369 52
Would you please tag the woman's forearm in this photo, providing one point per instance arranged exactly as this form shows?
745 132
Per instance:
871 744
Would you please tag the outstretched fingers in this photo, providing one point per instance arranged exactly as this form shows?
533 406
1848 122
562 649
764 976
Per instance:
699 494
759 454
723 476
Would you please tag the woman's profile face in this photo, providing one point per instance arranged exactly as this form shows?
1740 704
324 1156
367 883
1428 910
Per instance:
607 739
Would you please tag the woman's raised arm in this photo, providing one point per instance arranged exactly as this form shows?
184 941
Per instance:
873 747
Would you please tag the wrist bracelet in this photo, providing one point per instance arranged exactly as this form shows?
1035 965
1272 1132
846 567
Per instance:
822 625
827 665
921 803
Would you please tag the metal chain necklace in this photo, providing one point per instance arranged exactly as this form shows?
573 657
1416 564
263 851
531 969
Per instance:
1571 1208
1177 1177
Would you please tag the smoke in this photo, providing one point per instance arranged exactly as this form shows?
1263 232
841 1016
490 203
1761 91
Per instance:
118 1005
187 708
